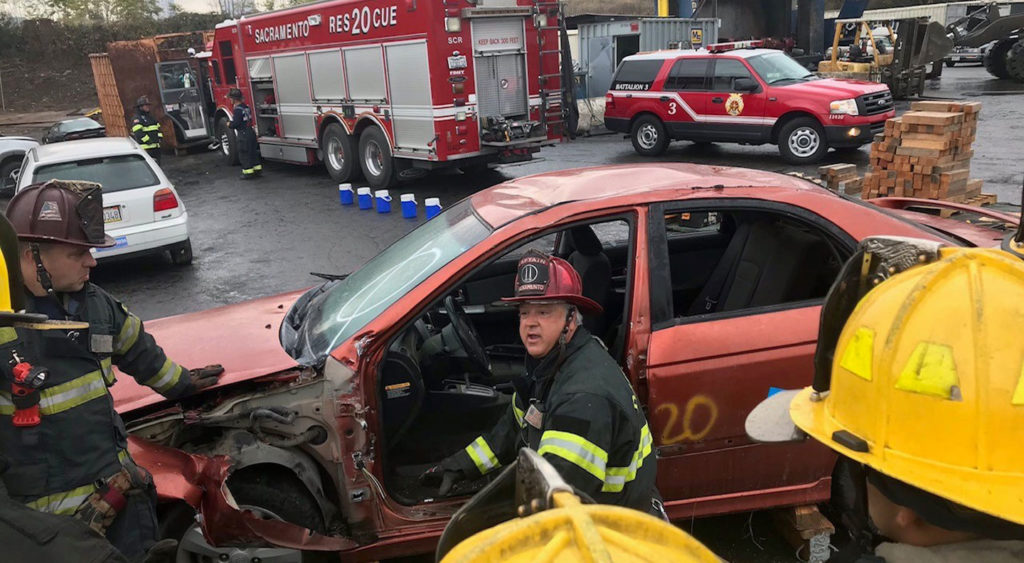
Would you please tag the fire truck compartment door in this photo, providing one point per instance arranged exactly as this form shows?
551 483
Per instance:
182 101
411 108
294 105
500 62
364 69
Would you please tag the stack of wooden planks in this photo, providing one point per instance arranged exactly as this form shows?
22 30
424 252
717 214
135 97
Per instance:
841 178
926 153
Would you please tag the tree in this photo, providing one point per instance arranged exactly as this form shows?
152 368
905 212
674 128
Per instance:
93 10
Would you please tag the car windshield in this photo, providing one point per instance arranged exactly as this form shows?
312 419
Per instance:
83 124
778 67
326 316
114 173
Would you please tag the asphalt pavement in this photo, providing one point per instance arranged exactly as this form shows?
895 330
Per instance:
263 237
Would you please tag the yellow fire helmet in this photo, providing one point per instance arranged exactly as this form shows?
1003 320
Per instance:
927 379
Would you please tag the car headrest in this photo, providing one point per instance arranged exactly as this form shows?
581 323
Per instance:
585 241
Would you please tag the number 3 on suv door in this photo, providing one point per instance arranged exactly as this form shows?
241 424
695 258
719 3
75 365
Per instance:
672 108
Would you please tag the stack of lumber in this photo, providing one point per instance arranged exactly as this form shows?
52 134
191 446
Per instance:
926 153
841 178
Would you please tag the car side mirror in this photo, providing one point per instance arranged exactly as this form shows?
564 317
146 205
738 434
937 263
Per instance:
745 85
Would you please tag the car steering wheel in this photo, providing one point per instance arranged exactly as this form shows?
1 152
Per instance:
467 335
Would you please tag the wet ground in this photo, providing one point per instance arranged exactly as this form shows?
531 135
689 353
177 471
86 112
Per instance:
264 237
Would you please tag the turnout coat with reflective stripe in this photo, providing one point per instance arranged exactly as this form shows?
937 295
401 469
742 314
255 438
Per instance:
54 465
590 427
146 130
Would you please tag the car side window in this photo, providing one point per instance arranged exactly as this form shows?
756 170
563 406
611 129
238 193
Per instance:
726 73
736 261
688 74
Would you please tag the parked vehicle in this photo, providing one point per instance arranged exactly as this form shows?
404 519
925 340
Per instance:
72 129
328 81
12 152
987 25
142 210
733 93
335 399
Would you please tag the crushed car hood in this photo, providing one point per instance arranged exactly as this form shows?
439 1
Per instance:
242 337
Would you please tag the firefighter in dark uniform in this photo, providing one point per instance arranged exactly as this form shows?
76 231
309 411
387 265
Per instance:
574 406
248 149
65 443
26 534
146 129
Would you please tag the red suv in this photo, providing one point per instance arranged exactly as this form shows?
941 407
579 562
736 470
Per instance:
748 96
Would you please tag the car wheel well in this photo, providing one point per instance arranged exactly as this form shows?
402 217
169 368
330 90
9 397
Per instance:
782 121
633 119
262 476
327 123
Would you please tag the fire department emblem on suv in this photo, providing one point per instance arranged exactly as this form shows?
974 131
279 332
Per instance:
734 105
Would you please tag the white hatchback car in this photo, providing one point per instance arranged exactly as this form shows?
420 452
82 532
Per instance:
141 208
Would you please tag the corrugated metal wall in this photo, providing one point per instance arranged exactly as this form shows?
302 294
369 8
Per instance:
660 33
110 99
942 13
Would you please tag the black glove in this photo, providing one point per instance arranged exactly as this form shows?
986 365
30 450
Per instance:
204 377
442 478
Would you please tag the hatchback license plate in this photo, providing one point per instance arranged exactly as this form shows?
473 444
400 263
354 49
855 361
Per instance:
112 214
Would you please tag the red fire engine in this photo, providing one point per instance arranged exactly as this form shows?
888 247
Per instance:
386 89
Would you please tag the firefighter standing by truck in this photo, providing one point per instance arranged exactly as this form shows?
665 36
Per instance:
58 428
919 388
146 129
248 148
574 406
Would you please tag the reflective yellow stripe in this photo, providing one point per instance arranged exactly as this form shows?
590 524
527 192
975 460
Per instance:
248 171
518 412
166 378
576 450
153 127
150 146
136 127
128 335
62 503
122 456
108 372
480 452
8 334
258 167
80 390
6 405
618 476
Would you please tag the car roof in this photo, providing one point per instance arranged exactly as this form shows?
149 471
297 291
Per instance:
634 183
675 53
86 148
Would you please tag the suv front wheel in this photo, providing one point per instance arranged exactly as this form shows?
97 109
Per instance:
648 136
802 141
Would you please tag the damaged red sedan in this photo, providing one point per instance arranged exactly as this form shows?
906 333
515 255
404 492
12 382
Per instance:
335 399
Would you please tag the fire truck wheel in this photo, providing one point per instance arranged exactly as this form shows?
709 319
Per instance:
375 158
339 150
649 136
802 141
228 144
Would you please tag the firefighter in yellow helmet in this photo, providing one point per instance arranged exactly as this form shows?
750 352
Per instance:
529 513
919 387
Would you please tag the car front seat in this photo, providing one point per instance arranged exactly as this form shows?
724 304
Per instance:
595 269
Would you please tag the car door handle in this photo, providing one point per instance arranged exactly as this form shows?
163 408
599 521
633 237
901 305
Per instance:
664 98
717 100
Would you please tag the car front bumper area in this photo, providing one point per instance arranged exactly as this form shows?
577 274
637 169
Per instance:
853 134
146 238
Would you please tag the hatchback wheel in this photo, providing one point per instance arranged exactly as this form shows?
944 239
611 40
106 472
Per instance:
802 141
181 254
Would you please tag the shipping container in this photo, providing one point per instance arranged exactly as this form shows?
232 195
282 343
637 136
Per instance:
604 44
